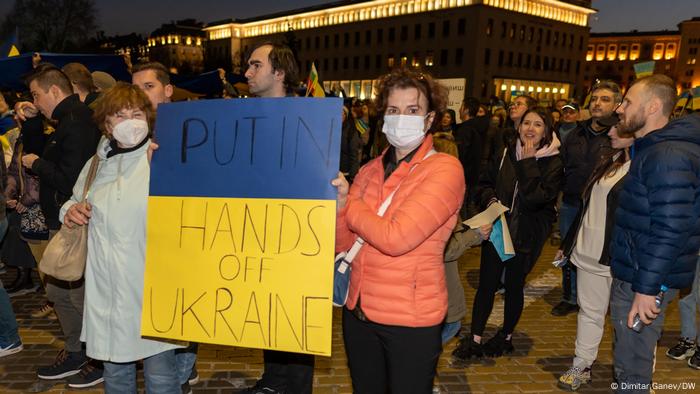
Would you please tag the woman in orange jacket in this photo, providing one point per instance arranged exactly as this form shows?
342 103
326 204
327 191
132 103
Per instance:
398 297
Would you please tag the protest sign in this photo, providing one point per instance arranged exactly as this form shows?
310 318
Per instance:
241 223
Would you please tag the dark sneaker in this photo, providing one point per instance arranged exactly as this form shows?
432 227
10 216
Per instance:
467 349
66 364
22 289
260 388
194 376
564 308
694 362
185 388
572 379
685 348
90 375
6 350
498 345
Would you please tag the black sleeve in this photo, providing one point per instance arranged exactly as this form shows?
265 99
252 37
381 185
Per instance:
538 187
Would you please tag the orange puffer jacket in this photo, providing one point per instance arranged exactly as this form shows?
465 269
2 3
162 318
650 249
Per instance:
399 273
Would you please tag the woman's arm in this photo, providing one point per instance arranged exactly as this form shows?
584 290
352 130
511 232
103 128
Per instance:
537 187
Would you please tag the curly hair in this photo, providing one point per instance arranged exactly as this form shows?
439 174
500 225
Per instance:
403 78
122 95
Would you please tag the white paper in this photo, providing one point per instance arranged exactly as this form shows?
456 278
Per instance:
487 217
507 241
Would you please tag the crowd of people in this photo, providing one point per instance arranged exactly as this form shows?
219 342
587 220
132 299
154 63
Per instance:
621 178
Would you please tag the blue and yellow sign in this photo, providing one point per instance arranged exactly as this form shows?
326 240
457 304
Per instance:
241 223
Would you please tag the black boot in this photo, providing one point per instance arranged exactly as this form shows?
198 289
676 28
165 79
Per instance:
23 284
468 348
498 345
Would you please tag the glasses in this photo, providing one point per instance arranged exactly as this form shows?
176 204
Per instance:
518 104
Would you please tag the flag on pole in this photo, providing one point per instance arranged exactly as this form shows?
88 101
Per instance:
313 87
695 93
682 100
644 69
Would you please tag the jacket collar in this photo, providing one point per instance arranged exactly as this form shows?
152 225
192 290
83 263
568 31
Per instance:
64 107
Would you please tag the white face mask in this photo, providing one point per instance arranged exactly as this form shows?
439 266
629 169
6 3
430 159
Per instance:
405 132
130 132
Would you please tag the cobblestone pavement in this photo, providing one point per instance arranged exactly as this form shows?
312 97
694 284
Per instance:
544 347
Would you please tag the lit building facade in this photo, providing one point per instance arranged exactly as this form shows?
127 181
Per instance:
613 55
531 46
179 46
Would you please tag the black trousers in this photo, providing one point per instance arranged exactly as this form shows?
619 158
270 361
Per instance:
291 373
400 359
490 271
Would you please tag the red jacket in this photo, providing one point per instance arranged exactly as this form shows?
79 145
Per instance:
399 273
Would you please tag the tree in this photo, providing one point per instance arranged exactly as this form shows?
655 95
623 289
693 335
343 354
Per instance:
51 25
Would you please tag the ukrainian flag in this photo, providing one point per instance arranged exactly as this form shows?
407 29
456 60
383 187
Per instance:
9 47
644 69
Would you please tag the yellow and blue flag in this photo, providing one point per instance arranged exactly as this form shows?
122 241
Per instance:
9 48
644 69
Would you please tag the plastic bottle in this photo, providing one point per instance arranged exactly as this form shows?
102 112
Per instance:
637 324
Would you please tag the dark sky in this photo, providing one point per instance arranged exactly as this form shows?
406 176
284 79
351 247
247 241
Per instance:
144 16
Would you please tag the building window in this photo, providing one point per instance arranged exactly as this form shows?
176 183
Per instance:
346 39
317 42
658 51
529 61
561 64
563 39
390 61
549 36
578 67
670 51
500 58
612 52
378 62
511 32
443 57
392 34
531 34
415 61
417 32
589 53
510 59
346 63
520 60
431 30
368 37
539 35
556 38
568 65
571 42
336 40
600 52
380 36
404 60
489 28
459 56
366 62
634 52
487 56
689 73
429 59
461 26
355 62
308 42
521 34
580 43
357 38
326 41
325 64
622 53
446 28
504 29
538 63
404 33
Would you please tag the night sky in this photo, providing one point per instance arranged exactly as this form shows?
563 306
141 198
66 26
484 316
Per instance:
144 16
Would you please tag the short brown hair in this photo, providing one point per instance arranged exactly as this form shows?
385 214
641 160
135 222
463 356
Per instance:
122 95
49 75
282 59
80 76
403 78
158 68
661 87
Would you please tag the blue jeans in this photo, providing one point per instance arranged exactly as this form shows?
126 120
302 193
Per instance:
567 214
8 322
185 359
633 352
159 371
688 307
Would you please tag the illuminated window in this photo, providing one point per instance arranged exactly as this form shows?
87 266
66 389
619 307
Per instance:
429 59
404 60
612 52
622 55
634 52
670 51
390 62
589 53
658 51
600 52
415 62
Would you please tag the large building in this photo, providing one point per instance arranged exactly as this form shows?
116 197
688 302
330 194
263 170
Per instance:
675 53
499 47
179 46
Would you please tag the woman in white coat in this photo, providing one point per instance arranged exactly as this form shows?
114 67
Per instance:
114 275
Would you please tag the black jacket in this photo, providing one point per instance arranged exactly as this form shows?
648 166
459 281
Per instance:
538 180
581 151
66 151
569 242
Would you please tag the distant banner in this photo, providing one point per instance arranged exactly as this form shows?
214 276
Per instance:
241 223
455 93
644 69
